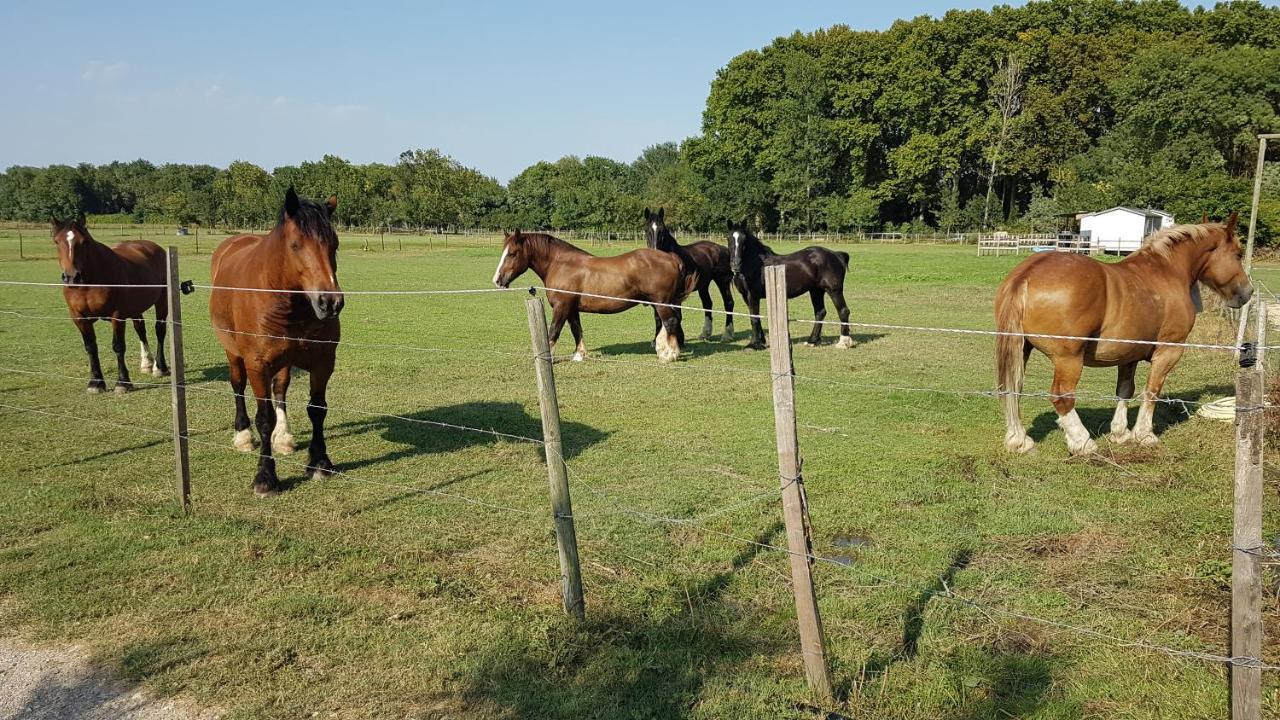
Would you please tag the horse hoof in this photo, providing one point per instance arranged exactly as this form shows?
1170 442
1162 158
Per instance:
810 343
1147 440
727 338
1019 445
1120 438
94 389
160 372
282 444
578 357
122 388
1088 447
321 469
146 369
243 441
704 337
265 491
845 342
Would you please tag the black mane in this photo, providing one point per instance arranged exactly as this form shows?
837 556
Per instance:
312 219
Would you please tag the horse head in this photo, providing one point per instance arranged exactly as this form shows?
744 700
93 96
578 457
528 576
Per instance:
655 230
311 252
70 237
1223 270
514 260
740 247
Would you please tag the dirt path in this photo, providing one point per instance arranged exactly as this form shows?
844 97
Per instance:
61 683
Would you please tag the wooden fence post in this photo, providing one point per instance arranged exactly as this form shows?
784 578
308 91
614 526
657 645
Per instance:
1246 540
561 505
795 507
20 255
178 383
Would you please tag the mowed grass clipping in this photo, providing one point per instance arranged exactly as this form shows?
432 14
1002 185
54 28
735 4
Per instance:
425 583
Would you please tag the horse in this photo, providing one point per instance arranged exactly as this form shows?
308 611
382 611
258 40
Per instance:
813 270
710 263
87 265
265 334
628 279
1151 295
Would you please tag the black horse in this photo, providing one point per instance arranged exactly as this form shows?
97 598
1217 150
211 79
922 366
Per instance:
707 261
813 270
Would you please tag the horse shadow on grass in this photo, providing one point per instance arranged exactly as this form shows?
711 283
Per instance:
1011 679
703 348
456 427
1098 419
618 665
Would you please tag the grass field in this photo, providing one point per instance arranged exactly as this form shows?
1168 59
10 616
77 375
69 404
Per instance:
367 598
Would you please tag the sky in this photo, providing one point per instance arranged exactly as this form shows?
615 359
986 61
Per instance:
496 85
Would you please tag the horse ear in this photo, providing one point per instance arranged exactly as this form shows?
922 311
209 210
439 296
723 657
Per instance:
662 213
1231 222
291 203
1204 218
646 213
516 237
54 222
331 204
728 225
80 218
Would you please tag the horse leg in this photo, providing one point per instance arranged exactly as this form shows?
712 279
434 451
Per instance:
318 461
146 363
1124 390
162 315
243 439
1015 436
726 295
757 333
281 438
657 326
668 341
559 314
123 384
1066 375
1162 362
842 309
96 383
265 482
819 314
575 327
704 295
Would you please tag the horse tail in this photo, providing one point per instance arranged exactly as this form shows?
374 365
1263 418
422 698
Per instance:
1011 348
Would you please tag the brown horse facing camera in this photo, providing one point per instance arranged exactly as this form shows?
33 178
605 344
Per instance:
86 263
265 334
642 275
1150 295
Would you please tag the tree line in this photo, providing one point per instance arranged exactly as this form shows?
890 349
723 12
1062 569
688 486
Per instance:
1011 117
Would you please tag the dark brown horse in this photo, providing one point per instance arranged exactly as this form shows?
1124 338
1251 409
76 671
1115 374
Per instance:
86 262
265 334
815 271
1150 295
622 281
708 261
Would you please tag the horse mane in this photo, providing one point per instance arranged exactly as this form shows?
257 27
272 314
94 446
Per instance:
1162 243
546 241
753 240
312 220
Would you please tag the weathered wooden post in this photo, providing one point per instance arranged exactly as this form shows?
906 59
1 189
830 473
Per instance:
20 255
795 507
557 473
1246 541
178 383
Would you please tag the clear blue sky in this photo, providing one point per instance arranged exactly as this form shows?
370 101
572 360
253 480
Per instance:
497 85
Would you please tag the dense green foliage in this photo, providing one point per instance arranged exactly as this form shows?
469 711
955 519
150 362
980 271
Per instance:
1011 116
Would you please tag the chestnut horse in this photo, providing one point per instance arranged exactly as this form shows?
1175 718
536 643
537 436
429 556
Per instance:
627 279
709 261
265 334
1150 295
85 263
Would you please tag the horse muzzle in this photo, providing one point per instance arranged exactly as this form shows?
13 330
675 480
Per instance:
327 304
1241 296
503 282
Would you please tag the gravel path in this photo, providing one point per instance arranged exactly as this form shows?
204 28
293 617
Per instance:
61 683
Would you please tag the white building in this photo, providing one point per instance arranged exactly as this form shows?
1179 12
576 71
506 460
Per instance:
1121 229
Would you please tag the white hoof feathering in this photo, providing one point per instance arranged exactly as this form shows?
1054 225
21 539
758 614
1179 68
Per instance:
1120 437
243 440
1078 440
1018 443
844 342
579 356
145 361
1148 439
281 438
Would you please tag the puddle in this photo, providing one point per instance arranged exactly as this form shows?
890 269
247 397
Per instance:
848 542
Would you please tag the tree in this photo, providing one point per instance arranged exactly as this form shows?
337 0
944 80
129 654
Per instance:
1006 97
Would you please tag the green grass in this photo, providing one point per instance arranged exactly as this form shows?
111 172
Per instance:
361 598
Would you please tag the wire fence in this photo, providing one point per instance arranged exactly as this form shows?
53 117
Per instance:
617 508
